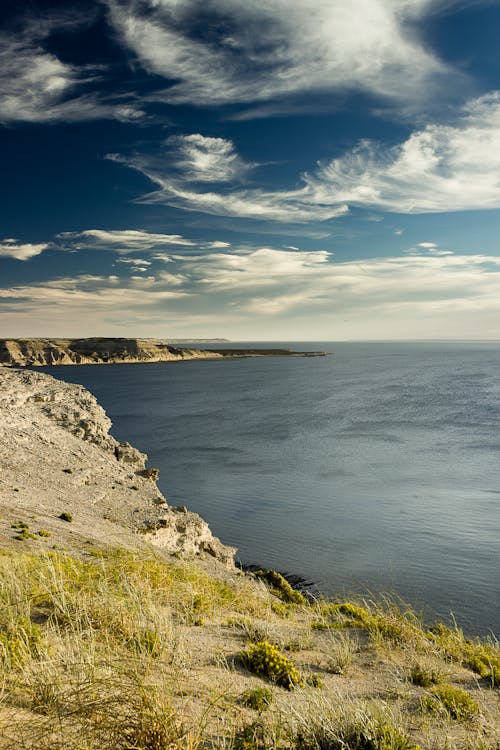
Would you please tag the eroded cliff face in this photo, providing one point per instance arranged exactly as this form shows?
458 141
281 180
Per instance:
57 457
40 352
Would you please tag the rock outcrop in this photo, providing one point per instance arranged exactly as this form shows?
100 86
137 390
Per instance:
57 457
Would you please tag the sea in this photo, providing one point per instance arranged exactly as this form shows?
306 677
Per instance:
372 471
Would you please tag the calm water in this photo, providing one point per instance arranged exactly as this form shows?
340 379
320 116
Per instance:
376 469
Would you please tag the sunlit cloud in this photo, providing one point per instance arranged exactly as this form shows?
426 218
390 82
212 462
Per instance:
294 206
36 86
437 169
11 248
261 51
122 240
203 159
440 168
277 290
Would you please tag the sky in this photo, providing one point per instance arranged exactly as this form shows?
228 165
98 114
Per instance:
282 170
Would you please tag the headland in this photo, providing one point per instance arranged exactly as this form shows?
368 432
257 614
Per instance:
39 352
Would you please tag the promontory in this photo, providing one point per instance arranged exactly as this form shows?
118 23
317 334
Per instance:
32 352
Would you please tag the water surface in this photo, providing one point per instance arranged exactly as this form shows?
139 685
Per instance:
376 469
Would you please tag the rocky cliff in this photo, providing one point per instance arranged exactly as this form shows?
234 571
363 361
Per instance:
58 460
99 351
29 352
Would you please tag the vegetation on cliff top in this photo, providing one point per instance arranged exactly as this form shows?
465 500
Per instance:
127 651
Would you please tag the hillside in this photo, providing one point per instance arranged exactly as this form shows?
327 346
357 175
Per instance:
124 624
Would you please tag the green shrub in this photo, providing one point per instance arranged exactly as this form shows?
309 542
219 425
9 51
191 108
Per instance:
456 702
482 658
423 677
23 532
280 587
259 699
65 516
266 660
353 611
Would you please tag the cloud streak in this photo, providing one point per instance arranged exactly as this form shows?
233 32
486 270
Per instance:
437 169
122 241
420 295
37 87
440 168
256 51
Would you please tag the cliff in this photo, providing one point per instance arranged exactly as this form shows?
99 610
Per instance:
93 351
29 352
57 457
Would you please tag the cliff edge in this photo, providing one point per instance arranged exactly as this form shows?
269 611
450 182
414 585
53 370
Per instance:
58 460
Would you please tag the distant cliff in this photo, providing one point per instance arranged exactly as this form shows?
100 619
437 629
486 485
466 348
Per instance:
97 351
23 352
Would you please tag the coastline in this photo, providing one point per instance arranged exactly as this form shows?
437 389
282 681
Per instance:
128 624
40 352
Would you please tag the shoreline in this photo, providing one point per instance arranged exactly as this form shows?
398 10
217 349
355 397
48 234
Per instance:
138 602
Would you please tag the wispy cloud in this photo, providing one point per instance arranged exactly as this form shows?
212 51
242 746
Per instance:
259 51
36 86
11 248
440 168
278 290
122 240
203 159
295 206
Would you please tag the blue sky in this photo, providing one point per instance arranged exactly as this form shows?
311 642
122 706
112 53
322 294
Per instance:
285 169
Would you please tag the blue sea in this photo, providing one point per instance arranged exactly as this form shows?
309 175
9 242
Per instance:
376 469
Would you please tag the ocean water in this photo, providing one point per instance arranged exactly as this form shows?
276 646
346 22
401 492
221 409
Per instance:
373 470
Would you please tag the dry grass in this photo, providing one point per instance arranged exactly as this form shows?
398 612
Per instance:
131 652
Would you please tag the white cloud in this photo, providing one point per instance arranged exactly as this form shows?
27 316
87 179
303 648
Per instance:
258 51
437 169
36 86
11 248
299 205
122 240
269 292
203 159
440 168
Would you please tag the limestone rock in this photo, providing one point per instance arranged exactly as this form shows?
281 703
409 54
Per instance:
57 457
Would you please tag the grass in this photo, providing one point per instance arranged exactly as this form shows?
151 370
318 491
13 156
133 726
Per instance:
105 652
353 726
